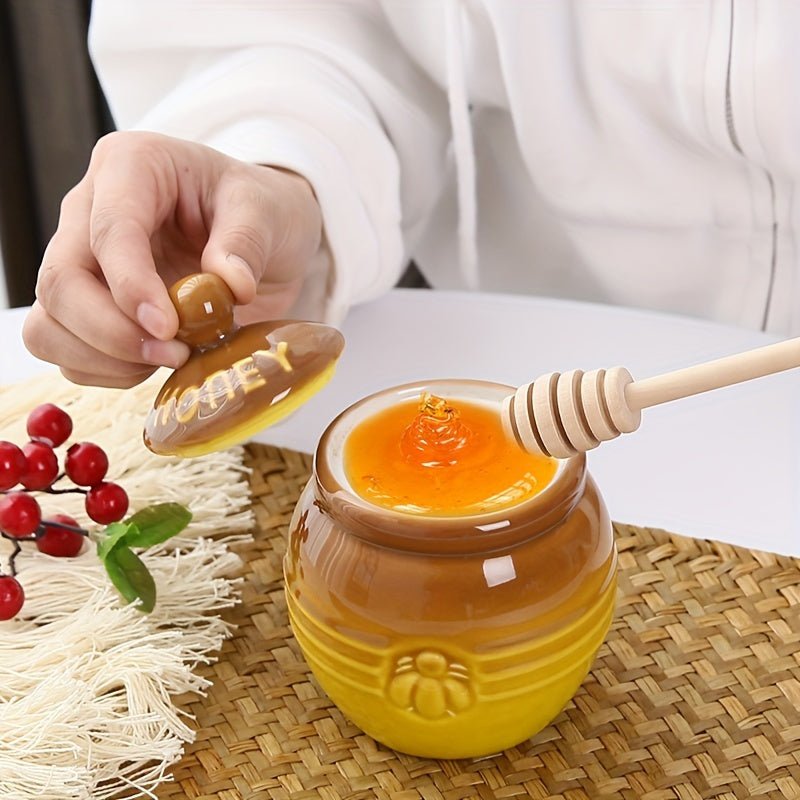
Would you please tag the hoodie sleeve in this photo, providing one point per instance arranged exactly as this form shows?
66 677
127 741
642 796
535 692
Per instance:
321 88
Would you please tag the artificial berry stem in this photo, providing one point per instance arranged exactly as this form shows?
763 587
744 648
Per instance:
55 524
75 490
46 523
12 559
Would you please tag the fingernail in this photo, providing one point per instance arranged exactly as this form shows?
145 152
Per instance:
164 354
240 264
243 268
153 320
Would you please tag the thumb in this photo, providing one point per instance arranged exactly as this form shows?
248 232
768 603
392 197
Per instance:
240 244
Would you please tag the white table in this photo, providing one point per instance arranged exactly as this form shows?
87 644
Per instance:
724 465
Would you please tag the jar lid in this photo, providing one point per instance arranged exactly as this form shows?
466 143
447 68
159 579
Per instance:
236 381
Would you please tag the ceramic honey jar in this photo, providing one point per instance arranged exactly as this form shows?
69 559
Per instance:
448 632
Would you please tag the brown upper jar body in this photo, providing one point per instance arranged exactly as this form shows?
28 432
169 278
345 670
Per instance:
490 579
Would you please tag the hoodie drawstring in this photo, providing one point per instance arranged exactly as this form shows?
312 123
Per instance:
463 149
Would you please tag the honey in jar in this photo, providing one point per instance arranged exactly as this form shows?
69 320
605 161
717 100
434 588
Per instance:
448 593
440 458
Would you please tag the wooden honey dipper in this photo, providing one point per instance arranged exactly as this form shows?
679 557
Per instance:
562 415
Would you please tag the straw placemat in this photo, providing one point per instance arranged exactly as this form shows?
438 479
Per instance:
695 694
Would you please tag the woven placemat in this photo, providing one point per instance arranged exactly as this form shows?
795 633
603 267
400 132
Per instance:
695 694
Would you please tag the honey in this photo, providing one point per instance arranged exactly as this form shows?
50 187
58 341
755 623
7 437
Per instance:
440 458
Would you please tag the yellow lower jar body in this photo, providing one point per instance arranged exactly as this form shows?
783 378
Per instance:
433 698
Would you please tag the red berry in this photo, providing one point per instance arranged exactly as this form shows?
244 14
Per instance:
106 503
50 424
12 465
42 466
11 597
20 514
86 464
57 541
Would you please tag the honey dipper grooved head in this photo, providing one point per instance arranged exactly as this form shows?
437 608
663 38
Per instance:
561 415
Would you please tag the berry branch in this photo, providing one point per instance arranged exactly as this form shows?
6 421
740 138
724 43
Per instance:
12 559
76 490
35 466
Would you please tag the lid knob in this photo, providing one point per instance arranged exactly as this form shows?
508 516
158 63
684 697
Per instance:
205 309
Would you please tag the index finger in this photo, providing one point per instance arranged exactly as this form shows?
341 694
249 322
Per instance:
127 208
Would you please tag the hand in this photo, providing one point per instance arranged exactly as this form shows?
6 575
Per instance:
150 210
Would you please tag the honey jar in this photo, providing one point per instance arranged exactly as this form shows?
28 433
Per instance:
454 629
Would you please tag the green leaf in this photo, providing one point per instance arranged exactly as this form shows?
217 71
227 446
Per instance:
131 577
119 577
155 524
115 534
139 577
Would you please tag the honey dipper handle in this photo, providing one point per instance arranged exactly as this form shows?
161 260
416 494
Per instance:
713 374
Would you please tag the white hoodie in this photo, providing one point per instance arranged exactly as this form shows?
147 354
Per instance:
635 153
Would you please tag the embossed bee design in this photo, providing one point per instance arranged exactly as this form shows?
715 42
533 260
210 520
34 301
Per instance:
430 684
